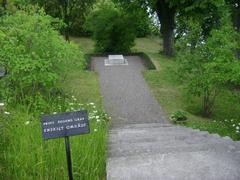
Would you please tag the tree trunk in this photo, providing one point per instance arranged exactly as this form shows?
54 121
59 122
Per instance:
66 18
166 15
168 43
4 4
236 23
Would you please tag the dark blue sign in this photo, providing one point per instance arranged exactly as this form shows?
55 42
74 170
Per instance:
65 124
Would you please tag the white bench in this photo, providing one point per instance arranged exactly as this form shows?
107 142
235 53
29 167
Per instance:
115 60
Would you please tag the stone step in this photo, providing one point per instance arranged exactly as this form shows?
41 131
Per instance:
199 165
174 139
143 125
122 131
174 146
189 137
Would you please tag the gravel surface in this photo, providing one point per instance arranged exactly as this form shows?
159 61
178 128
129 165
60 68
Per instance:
125 93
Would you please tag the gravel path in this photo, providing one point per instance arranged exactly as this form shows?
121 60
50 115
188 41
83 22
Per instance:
144 145
126 94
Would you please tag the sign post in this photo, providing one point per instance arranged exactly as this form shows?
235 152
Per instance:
69 160
65 125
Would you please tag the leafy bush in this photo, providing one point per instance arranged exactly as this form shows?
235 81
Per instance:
208 64
113 29
178 116
34 54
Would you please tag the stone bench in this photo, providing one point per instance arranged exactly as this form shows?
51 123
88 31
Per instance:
115 60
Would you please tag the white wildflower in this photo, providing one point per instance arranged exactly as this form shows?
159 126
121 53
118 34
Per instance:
98 120
233 125
1 104
94 111
95 130
237 127
97 117
94 107
6 112
27 122
54 112
237 131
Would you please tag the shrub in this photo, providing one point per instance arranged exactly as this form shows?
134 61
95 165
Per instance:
34 54
208 64
113 29
178 116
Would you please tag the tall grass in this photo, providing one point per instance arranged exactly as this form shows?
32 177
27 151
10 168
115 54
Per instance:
26 156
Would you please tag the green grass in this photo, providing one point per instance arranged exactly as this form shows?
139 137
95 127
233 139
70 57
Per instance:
24 155
86 44
173 97
27 156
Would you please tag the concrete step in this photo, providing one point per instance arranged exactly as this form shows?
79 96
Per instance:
174 139
143 125
130 149
197 165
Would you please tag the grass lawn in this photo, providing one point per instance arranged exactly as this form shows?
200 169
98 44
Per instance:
24 155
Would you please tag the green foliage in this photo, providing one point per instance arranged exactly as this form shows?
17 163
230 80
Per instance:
72 11
142 19
34 55
208 64
113 29
178 116
143 24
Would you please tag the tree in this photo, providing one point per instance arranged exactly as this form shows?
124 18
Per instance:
166 15
209 64
73 13
4 4
235 12
113 29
